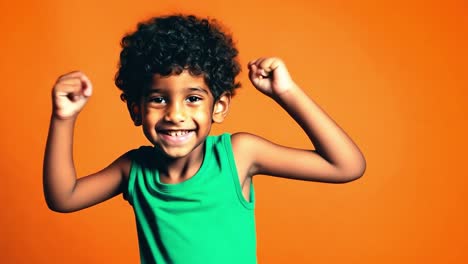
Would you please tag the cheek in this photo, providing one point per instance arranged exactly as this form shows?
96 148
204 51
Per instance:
203 115
150 119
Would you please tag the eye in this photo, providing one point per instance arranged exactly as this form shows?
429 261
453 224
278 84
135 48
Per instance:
157 100
193 99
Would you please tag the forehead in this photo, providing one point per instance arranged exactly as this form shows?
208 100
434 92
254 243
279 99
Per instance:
179 82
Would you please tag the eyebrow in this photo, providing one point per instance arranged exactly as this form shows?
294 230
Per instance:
161 90
199 89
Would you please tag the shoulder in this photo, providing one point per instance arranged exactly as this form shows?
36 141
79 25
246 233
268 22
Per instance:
246 148
243 139
251 143
125 161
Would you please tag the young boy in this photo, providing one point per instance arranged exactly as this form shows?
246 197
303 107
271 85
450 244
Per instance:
192 193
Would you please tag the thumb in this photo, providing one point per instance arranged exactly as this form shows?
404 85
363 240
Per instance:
87 86
252 70
257 73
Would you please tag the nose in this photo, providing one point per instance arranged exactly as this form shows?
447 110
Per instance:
175 113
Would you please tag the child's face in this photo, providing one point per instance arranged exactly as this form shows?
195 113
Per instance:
176 113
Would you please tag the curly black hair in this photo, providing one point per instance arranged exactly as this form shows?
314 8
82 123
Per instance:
170 44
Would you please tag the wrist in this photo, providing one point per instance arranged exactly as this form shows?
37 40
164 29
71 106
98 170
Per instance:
292 91
63 119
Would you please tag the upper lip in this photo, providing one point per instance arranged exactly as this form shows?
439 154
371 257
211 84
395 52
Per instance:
166 130
174 129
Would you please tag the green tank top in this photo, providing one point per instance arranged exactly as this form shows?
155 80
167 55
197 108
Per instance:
203 220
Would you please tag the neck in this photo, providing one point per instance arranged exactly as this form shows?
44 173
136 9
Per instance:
175 170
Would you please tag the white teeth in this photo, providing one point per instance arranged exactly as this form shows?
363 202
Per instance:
177 133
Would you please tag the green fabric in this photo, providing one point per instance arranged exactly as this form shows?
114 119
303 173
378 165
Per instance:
204 219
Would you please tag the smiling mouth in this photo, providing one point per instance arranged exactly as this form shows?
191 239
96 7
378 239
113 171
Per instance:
175 133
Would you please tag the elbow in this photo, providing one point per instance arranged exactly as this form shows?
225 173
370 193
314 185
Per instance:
354 172
58 207
59 203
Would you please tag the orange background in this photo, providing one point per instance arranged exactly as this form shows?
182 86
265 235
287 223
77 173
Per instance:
393 75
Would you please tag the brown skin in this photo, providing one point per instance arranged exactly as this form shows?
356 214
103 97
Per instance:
179 104
336 158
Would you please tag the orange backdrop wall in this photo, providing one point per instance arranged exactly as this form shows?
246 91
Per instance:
393 74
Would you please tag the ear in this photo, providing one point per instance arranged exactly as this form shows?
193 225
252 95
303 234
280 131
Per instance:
221 107
135 113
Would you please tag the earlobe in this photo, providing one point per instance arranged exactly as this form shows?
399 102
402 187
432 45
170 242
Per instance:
221 108
135 114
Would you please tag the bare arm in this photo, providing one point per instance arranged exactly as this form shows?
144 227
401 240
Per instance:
62 191
336 157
